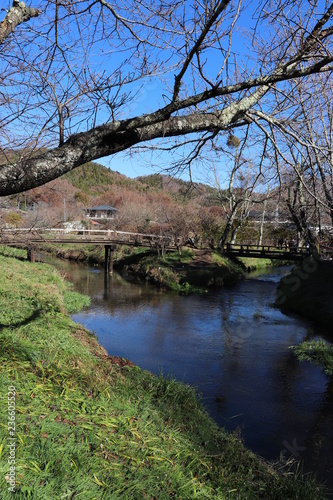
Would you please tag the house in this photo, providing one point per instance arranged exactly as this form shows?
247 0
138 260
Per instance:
104 212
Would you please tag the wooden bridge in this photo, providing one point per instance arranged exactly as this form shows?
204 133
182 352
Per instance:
269 251
38 237
42 236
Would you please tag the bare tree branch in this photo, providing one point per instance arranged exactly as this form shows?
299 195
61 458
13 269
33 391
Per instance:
19 13
72 79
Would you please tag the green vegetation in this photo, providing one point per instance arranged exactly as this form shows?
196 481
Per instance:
13 219
93 178
92 426
192 271
18 253
318 352
257 264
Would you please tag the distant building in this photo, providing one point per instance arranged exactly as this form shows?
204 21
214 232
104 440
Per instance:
104 212
76 225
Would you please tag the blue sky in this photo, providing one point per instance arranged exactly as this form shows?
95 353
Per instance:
150 98
108 62
150 95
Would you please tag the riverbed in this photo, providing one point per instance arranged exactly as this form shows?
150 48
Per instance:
233 346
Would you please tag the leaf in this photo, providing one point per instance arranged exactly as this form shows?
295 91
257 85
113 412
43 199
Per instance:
97 481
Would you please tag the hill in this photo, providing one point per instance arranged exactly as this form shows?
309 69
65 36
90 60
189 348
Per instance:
94 179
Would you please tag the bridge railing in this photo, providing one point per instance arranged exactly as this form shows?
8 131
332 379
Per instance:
45 234
270 248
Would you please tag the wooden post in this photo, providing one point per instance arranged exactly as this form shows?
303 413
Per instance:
106 259
110 266
30 254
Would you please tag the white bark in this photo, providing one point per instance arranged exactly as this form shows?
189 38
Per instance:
16 15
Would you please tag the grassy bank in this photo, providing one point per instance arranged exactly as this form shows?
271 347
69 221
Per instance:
92 426
192 271
318 352
92 254
251 264
308 290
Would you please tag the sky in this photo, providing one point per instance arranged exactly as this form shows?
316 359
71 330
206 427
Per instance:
111 60
148 101
150 98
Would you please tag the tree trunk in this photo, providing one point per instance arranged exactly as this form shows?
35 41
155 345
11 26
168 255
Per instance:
261 232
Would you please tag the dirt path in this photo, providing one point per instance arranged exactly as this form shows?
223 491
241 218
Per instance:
203 258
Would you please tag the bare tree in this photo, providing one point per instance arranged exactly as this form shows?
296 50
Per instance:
303 153
317 134
245 182
237 200
301 207
74 71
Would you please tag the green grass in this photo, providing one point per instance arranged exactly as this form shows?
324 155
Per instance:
17 253
318 352
93 427
180 273
256 264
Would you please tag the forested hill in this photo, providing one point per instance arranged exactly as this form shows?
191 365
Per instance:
145 203
94 179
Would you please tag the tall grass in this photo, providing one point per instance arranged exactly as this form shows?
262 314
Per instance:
318 352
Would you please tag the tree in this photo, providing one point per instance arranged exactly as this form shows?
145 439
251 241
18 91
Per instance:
303 145
316 148
73 74
240 195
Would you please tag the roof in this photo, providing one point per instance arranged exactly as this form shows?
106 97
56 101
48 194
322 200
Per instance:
103 207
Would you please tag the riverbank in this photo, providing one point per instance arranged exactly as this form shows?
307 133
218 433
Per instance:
95 426
195 270
192 271
308 291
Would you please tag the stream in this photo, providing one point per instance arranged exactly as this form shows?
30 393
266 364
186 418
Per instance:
233 346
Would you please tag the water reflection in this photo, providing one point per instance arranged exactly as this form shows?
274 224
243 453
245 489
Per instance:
234 347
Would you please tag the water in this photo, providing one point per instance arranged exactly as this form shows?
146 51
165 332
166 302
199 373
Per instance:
234 347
